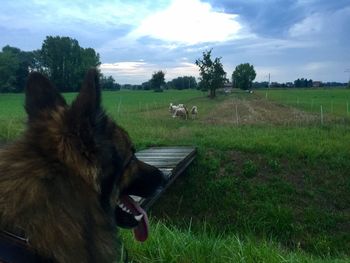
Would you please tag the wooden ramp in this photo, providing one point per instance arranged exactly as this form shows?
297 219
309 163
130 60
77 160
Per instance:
172 161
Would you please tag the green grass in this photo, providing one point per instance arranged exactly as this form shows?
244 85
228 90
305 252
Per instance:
170 244
267 193
333 101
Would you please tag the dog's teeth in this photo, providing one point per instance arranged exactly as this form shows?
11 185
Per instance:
123 207
139 217
136 198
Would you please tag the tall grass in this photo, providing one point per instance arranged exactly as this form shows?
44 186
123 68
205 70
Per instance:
169 244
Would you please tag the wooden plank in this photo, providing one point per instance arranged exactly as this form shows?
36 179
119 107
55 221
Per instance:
165 151
172 161
162 159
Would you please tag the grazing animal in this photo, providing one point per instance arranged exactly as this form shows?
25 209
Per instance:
181 112
194 112
173 108
66 184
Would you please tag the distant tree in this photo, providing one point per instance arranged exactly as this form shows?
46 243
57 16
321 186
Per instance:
158 80
147 85
243 76
212 74
9 64
108 83
263 84
186 82
65 62
303 83
14 68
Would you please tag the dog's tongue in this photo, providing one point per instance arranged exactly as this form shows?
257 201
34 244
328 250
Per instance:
141 230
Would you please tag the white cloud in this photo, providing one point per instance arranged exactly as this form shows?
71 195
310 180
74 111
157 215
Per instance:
135 72
182 69
189 22
316 66
127 68
310 25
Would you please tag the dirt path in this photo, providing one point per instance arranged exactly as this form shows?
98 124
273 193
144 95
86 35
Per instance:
256 110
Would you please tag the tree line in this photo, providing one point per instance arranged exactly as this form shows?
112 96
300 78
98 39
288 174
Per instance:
65 62
61 59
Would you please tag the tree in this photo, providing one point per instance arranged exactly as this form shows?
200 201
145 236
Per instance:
303 83
14 68
212 74
108 83
158 80
186 82
146 85
8 66
65 62
243 76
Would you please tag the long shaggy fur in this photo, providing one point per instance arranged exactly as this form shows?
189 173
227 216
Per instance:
61 181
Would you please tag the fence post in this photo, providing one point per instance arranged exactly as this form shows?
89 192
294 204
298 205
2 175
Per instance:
120 102
321 115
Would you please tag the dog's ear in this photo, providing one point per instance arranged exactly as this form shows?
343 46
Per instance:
88 102
41 96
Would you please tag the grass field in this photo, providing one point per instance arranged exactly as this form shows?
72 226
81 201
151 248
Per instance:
270 182
333 101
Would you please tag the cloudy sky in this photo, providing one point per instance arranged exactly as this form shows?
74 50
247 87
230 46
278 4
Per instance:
289 39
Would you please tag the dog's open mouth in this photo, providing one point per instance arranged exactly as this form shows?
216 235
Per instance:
131 215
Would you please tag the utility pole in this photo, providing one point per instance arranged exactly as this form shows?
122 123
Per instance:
269 84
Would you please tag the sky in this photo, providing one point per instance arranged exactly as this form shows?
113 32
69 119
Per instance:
284 38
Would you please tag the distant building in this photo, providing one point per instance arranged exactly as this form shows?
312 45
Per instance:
228 85
317 84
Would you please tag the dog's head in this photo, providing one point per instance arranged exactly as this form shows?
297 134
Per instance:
90 145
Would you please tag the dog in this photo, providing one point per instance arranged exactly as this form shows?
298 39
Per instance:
66 183
194 112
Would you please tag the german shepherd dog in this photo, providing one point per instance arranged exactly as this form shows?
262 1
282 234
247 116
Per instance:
66 184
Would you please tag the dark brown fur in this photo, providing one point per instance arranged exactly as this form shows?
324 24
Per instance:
61 181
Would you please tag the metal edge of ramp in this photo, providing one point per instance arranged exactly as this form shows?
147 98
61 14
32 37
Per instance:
188 154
